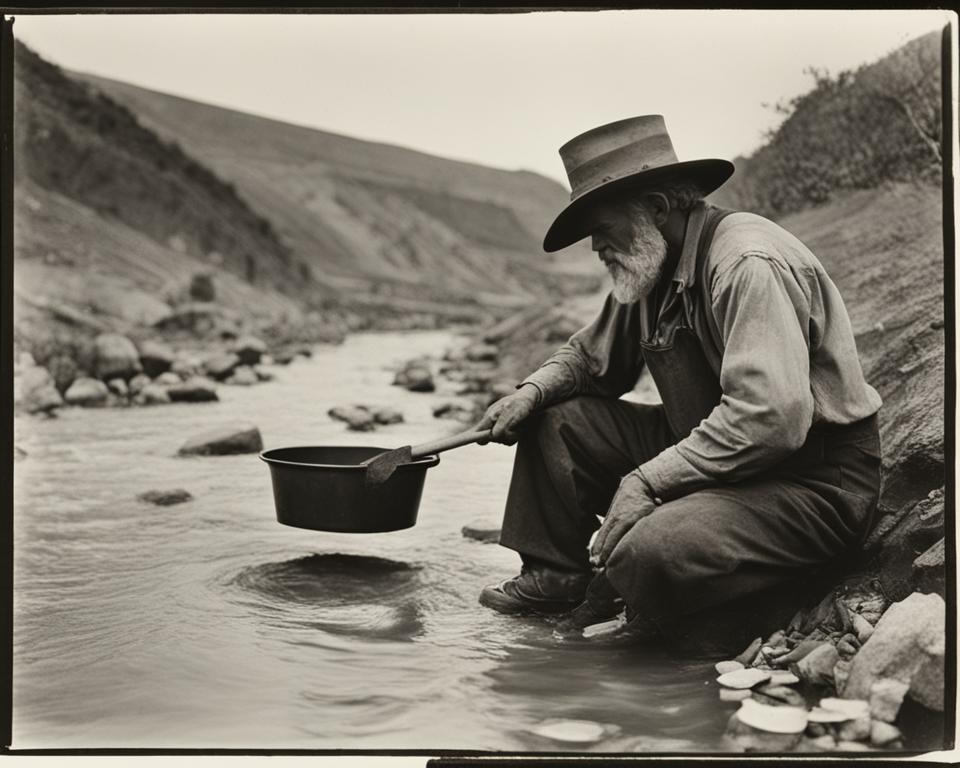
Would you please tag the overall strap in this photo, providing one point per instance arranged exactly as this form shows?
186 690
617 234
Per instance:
715 215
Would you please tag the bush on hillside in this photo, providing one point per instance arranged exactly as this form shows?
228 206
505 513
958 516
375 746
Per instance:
853 130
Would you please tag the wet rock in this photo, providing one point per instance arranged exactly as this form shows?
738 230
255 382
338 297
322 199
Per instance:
415 376
743 678
782 677
886 696
387 416
152 394
86 392
723 667
357 418
882 734
155 358
908 645
196 389
572 731
751 739
778 696
816 667
852 708
224 441
38 393
221 365
481 353
929 570
821 716
857 729
166 498
118 387
244 375
735 694
249 349
115 356
772 719
481 533
168 379
263 373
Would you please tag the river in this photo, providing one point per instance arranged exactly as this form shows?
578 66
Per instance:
207 624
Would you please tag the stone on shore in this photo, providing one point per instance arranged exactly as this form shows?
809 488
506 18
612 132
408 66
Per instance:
743 678
196 389
168 379
454 411
882 734
572 731
929 570
817 666
155 358
38 393
481 353
249 349
263 373
244 375
87 392
152 394
486 534
221 365
166 498
723 667
224 441
115 356
357 418
415 376
908 645
747 738
886 696
119 387
387 416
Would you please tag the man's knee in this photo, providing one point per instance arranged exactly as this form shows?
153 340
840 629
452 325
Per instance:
661 542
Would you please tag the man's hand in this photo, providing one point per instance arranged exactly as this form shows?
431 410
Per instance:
633 501
505 415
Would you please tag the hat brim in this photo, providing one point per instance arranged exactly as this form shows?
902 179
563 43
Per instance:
572 225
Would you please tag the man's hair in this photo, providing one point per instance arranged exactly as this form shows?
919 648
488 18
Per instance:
682 196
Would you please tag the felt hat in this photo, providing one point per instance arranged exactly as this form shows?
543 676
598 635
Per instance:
632 153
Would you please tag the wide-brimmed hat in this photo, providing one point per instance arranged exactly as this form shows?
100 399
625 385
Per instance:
636 152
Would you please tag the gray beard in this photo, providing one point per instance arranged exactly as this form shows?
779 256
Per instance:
639 271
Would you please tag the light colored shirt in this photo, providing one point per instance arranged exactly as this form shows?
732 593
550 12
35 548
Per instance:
786 359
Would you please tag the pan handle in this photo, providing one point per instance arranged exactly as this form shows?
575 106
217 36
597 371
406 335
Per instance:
446 443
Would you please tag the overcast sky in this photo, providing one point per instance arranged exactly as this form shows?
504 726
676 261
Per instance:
501 89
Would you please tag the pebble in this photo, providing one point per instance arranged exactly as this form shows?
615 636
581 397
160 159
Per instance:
574 731
750 654
857 729
803 648
886 696
882 733
723 667
734 694
821 715
778 695
771 719
166 498
603 628
486 534
743 678
816 667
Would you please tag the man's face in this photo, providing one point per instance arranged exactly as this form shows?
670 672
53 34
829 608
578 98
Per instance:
631 247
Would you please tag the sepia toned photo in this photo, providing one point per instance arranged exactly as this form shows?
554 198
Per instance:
438 383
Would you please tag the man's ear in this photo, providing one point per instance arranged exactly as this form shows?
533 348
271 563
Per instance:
659 207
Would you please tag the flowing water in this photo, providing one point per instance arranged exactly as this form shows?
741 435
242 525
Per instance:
208 624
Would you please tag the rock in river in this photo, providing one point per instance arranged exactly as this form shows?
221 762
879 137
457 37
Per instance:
224 441
249 349
38 393
152 394
416 377
357 417
196 389
116 357
155 357
166 498
221 365
87 392
244 375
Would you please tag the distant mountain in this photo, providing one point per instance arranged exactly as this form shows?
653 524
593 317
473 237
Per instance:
376 220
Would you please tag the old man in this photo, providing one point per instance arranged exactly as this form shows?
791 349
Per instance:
761 465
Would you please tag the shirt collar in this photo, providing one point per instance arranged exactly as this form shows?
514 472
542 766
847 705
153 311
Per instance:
685 274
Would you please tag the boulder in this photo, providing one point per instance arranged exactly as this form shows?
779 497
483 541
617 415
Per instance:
747 738
119 387
357 418
196 389
907 645
87 392
224 441
168 379
816 668
115 356
166 498
137 383
152 394
415 376
155 358
37 392
886 696
481 353
221 365
929 570
387 416
186 366
249 349
244 375
202 287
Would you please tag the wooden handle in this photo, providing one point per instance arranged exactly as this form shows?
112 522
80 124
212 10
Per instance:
446 443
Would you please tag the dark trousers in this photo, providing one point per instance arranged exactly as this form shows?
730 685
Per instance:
713 547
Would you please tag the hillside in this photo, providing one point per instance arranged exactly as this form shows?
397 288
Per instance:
370 217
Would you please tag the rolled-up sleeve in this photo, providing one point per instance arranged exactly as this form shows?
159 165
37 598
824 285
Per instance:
767 406
604 358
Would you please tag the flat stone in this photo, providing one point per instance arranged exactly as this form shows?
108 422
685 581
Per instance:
221 365
778 696
886 697
908 644
751 739
851 707
735 694
743 678
118 387
196 389
782 677
137 383
115 357
166 498
489 535
572 731
723 667
387 416
357 418
168 379
772 719
603 628
86 392
224 441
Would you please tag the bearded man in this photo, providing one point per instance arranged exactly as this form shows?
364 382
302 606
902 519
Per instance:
761 465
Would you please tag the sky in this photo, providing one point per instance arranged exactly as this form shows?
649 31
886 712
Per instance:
504 90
